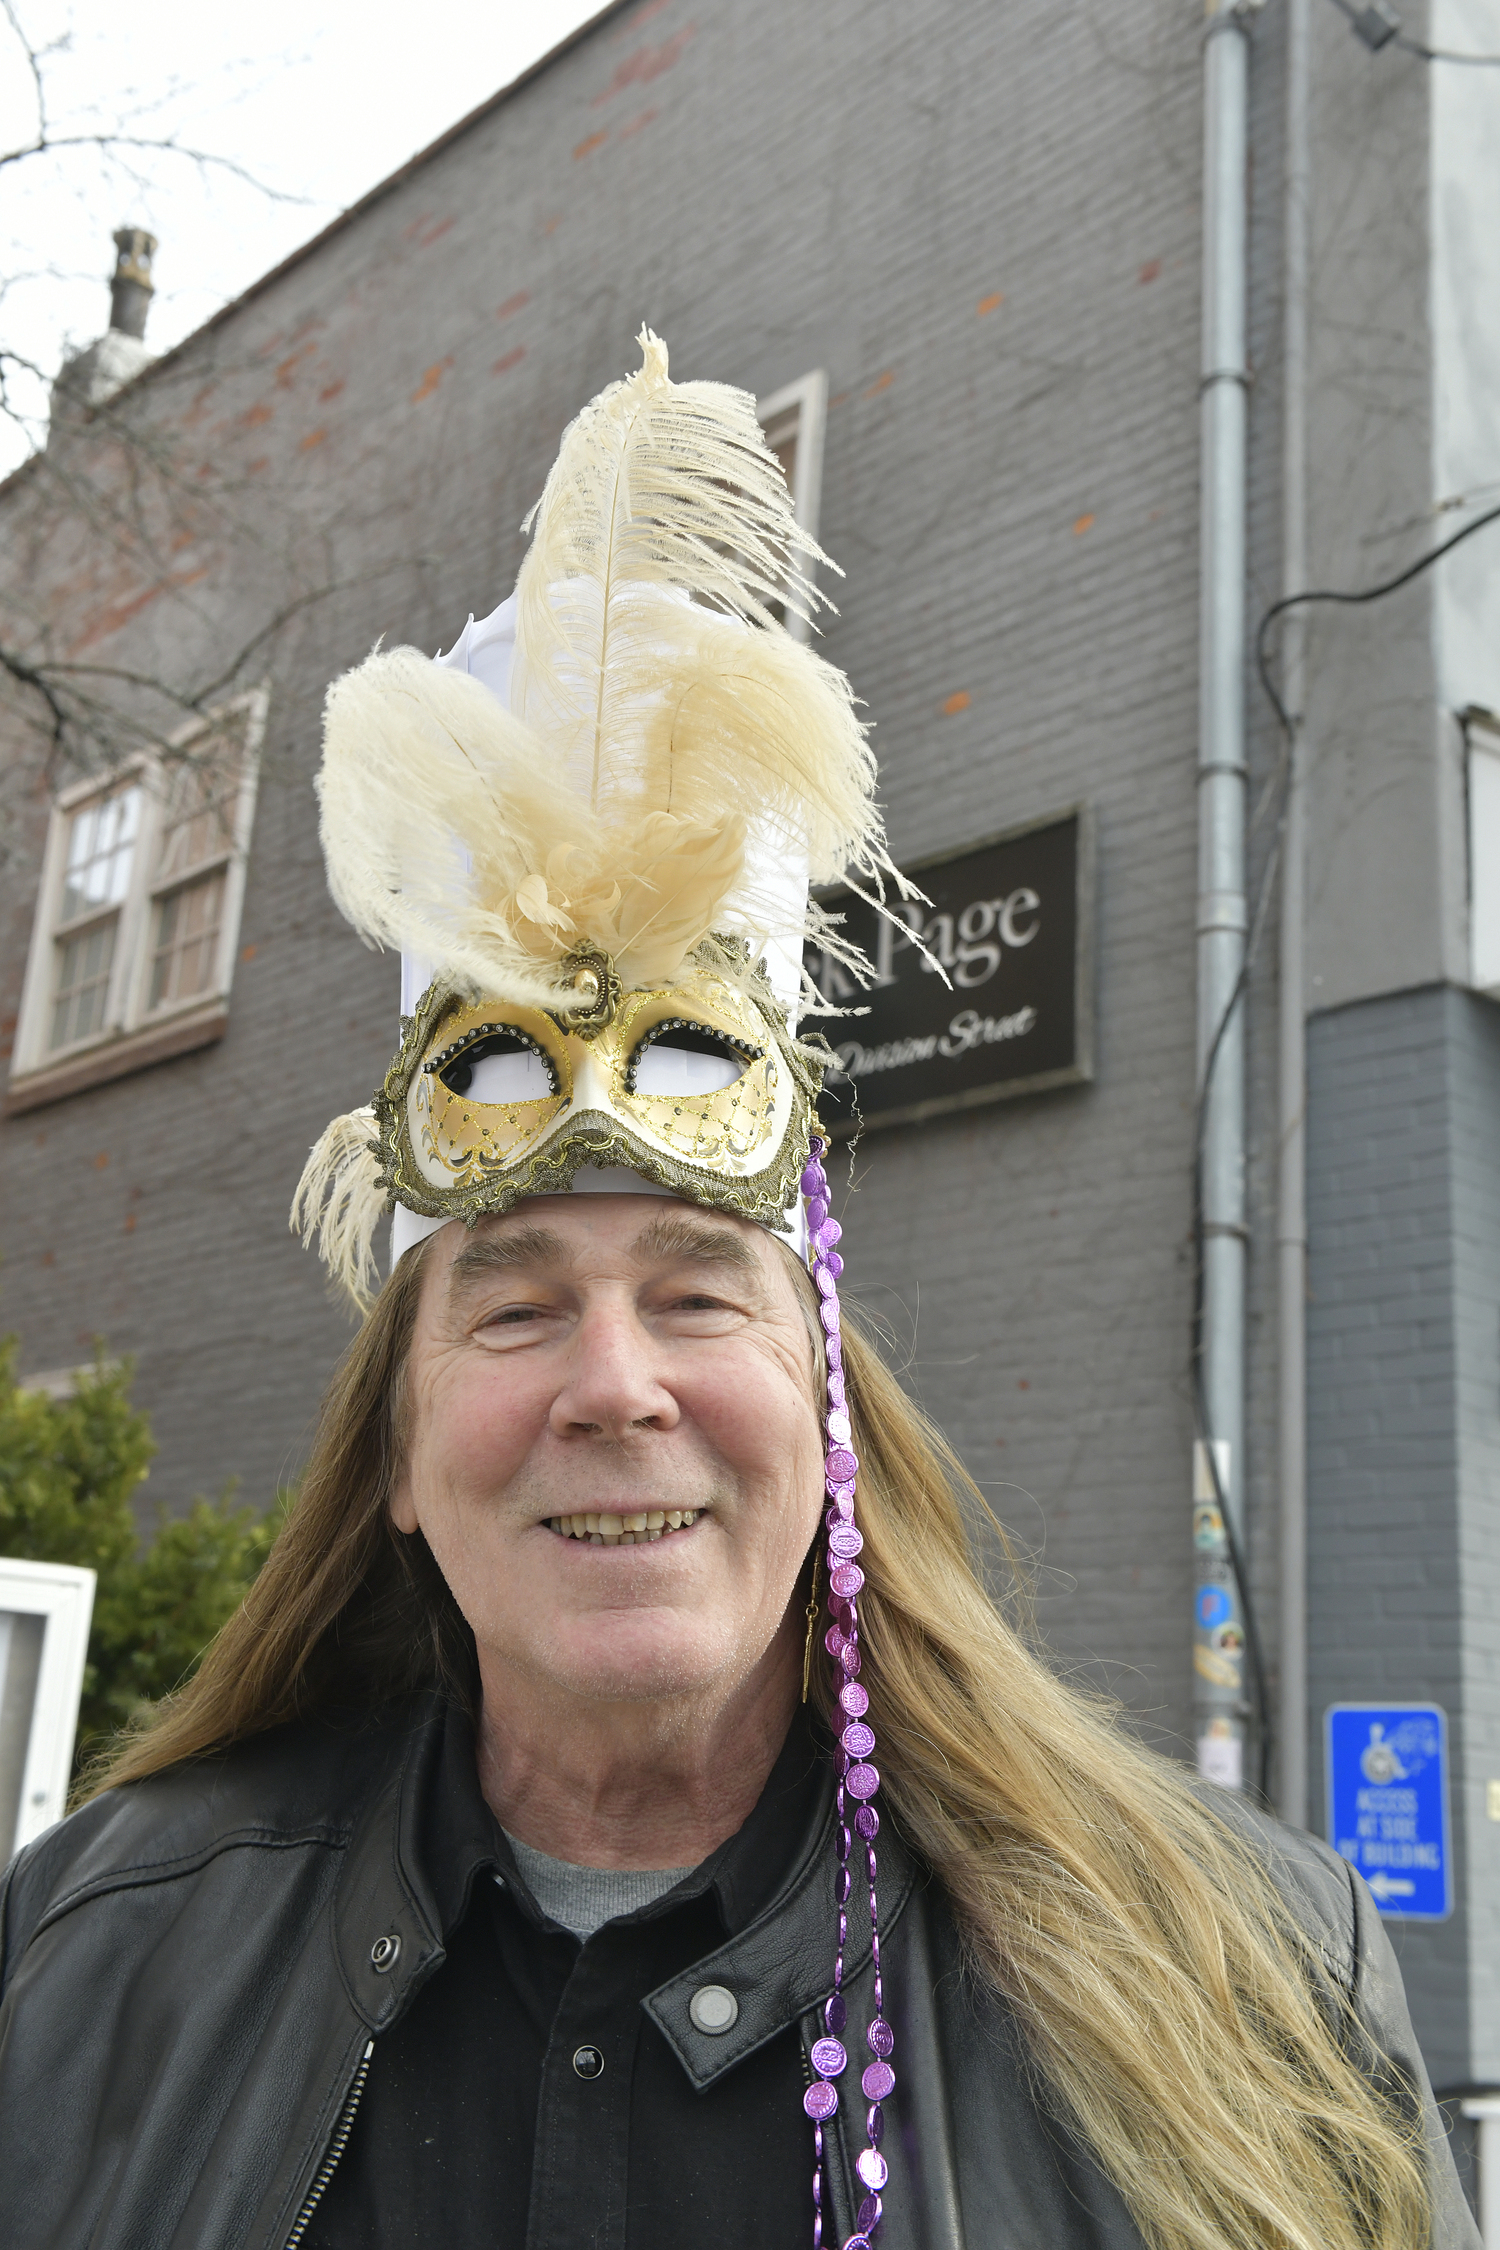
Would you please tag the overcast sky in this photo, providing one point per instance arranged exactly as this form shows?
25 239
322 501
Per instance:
318 99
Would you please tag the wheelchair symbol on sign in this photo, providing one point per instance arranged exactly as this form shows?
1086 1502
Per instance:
1378 1762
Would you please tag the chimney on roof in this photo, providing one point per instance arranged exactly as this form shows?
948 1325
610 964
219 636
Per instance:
90 377
131 290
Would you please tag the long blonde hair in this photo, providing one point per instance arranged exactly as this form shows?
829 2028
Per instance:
1165 1994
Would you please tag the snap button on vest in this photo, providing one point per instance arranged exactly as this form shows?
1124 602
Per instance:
713 2009
587 2061
384 1954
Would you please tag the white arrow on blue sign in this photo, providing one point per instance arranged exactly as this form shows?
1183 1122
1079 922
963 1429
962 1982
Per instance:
1387 1767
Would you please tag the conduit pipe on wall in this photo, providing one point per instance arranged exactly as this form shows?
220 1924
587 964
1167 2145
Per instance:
1291 1197
1220 1708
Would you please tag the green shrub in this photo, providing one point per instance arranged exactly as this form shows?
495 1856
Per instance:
69 1468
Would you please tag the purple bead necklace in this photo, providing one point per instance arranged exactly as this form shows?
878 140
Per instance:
857 1778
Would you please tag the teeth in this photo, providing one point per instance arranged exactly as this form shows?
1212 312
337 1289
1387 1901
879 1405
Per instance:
637 1530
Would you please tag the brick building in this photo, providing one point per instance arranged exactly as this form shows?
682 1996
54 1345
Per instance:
984 229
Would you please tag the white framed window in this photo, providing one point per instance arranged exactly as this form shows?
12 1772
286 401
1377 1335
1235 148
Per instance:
45 1613
137 916
1482 737
793 420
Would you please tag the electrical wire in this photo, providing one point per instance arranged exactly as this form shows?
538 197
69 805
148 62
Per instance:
1379 26
1277 792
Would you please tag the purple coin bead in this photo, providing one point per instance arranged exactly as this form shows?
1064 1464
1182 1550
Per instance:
833 1233
836 1388
859 2242
846 1580
863 1781
835 2014
835 1352
873 2168
854 1699
826 1283
867 1821
875 2125
843 1886
869 2215
845 1542
838 1426
849 1658
833 1641
842 1466
833 1264
878 2082
828 2057
858 1739
817 1209
821 2101
880 2039
828 1313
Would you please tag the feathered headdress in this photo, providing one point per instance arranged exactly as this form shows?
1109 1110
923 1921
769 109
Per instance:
668 748
591 864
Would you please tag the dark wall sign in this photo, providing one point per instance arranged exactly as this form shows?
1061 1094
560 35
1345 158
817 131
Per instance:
1010 922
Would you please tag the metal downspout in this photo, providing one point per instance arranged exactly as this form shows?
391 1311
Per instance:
1291 1198
1220 1707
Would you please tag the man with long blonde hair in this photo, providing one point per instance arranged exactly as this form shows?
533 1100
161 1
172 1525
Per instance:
619 1815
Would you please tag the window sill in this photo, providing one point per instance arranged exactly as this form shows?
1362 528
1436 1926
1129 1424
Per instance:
118 1058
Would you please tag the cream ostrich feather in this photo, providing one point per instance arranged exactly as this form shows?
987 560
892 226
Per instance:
341 1199
659 719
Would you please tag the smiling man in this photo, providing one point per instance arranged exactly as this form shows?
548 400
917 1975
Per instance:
620 1818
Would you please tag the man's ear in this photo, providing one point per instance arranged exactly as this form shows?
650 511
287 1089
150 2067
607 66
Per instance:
402 1506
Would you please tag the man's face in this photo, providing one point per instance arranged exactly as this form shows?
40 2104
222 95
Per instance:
629 1362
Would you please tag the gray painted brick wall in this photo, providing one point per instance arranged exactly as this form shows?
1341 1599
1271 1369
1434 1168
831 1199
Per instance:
1404 1439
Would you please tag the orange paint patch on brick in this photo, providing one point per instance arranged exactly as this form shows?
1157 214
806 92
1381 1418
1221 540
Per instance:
256 417
637 124
331 390
427 230
839 398
550 226
248 952
431 379
288 367
514 304
130 1219
313 437
988 304
957 702
511 359
1081 525
101 1160
586 148
261 461
881 383
1149 271
645 64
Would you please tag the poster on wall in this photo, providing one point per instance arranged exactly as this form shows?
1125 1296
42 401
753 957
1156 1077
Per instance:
1010 920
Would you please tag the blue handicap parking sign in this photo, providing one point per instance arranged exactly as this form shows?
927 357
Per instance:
1388 1803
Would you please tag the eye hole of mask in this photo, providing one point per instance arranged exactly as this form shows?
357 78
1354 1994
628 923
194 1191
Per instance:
686 1059
502 1067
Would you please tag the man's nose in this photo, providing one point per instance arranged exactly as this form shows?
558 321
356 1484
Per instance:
612 1384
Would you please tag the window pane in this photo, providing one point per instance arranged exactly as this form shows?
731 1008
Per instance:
101 845
82 986
199 823
187 940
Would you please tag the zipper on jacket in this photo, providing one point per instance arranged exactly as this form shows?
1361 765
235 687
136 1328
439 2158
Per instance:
338 2142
